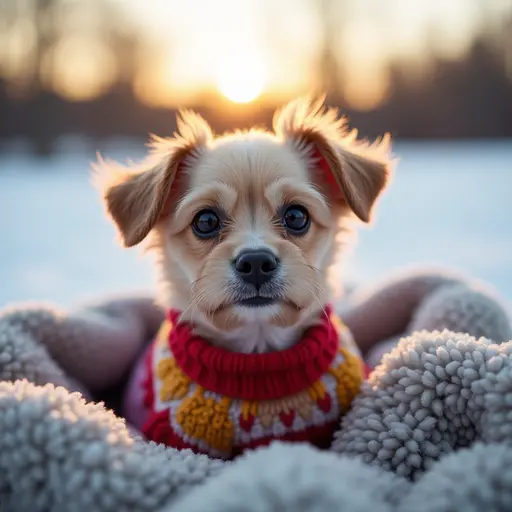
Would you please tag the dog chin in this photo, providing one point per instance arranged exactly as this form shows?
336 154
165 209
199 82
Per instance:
231 317
257 313
255 329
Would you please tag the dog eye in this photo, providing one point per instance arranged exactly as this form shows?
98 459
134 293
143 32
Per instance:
296 219
206 224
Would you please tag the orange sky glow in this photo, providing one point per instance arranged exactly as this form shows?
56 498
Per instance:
252 49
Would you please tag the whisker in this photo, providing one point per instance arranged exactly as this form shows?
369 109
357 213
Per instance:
316 288
197 298
316 269
314 285
196 301
193 284
192 303
320 304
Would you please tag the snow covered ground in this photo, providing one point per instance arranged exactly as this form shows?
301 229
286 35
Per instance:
450 204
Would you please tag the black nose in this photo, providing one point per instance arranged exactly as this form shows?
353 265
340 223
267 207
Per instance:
256 266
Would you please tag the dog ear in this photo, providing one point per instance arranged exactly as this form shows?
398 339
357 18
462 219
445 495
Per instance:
137 198
345 169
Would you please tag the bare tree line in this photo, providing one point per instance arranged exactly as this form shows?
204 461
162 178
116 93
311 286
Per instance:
467 98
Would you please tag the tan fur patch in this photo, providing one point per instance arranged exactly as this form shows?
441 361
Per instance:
249 178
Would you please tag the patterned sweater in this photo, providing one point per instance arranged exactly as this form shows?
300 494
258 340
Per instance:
219 403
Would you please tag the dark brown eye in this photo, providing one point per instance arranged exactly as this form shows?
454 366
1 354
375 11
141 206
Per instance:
206 224
296 219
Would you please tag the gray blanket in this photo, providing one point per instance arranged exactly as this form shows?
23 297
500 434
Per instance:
431 430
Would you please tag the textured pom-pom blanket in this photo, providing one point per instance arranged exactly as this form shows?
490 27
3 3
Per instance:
431 430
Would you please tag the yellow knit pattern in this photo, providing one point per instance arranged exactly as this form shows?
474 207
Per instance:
269 410
317 390
349 376
162 337
175 384
207 419
248 409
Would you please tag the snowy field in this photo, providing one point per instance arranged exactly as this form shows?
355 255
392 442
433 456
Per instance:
450 205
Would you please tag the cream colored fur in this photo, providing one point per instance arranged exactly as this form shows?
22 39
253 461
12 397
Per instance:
248 176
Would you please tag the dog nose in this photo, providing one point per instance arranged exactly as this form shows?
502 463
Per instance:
256 266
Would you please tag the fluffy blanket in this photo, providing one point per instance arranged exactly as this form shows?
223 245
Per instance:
431 430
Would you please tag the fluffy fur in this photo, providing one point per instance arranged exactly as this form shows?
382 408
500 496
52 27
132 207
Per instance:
309 159
61 454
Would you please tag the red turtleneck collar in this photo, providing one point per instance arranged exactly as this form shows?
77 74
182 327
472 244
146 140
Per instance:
254 376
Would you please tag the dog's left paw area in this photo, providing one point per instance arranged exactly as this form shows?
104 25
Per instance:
296 477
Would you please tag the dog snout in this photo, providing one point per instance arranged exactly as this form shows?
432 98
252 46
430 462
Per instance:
256 267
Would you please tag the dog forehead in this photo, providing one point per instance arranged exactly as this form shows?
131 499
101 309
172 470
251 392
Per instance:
246 161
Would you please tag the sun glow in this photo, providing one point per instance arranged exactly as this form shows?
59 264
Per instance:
241 79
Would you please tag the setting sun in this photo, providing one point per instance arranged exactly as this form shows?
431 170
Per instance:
241 80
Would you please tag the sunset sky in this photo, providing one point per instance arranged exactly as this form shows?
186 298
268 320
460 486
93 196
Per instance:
245 49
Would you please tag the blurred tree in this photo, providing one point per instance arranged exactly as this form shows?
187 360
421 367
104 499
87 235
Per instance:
328 66
45 36
468 97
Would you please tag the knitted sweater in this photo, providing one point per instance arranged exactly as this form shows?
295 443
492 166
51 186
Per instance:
218 402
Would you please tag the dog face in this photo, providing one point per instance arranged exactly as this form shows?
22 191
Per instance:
244 225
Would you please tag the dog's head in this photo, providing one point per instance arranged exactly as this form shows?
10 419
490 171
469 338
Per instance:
244 225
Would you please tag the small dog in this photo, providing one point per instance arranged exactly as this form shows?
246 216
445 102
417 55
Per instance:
244 228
